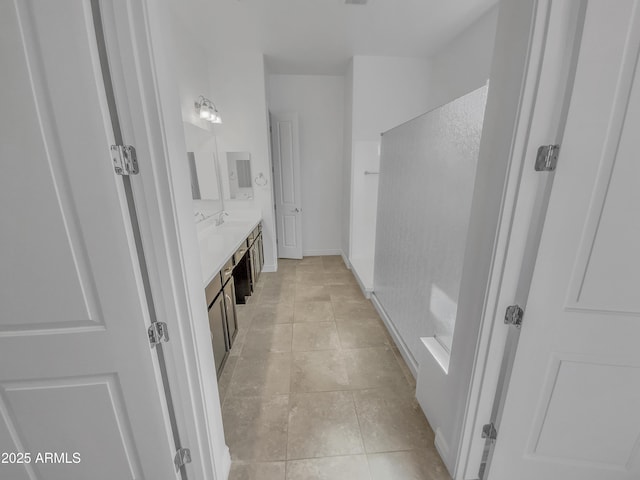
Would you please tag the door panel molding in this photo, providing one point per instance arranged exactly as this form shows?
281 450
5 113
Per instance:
607 185
288 197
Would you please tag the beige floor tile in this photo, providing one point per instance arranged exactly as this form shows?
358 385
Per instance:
338 278
312 293
313 312
256 427
313 278
323 424
277 280
284 294
268 338
225 378
391 421
268 374
320 371
257 471
333 260
315 336
284 299
352 467
373 367
285 285
309 268
272 314
411 380
335 266
413 465
314 260
345 293
362 333
244 315
238 342
355 310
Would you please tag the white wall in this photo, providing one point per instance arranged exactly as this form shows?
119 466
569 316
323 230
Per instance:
192 74
386 91
463 65
346 163
238 90
319 102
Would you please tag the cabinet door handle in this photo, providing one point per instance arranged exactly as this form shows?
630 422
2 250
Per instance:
228 272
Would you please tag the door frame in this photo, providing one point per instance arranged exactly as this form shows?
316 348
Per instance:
148 105
145 90
547 80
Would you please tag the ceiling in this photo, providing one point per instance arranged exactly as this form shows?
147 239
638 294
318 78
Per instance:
319 36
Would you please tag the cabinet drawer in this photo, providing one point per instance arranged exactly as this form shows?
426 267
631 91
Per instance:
212 290
240 253
226 272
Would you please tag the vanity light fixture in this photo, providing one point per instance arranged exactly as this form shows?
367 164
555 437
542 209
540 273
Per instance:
207 110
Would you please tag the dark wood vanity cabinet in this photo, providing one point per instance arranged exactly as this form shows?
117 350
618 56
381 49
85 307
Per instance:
256 255
218 331
232 285
249 260
223 322
230 310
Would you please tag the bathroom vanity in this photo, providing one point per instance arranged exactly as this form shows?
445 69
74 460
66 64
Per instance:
232 259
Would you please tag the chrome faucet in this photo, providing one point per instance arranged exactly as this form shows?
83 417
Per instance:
199 216
220 219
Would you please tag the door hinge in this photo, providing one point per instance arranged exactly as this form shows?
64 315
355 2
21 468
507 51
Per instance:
514 315
547 158
489 431
158 333
183 456
125 161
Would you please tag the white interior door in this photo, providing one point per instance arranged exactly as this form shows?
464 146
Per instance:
572 410
77 374
286 169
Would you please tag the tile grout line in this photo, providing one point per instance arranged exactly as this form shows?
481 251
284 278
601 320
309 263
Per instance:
364 450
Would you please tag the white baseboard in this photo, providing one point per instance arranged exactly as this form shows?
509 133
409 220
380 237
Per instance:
441 444
346 261
226 466
365 291
269 268
402 347
321 253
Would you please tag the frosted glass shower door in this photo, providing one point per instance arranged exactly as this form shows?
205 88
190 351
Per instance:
427 173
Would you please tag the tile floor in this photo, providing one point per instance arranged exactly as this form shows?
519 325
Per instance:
314 387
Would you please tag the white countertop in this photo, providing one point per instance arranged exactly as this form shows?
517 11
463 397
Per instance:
218 244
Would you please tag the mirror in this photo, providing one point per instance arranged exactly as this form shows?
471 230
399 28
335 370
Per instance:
203 167
239 176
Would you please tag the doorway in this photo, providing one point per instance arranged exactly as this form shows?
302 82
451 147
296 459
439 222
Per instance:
286 181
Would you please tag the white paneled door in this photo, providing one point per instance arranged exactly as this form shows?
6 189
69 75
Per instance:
572 411
80 392
286 169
